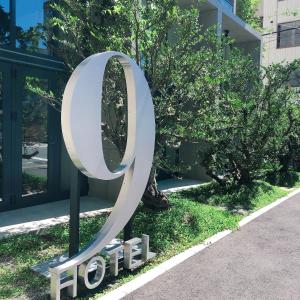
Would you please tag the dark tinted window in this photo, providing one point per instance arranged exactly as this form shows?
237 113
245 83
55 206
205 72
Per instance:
288 34
4 22
30 16
295 79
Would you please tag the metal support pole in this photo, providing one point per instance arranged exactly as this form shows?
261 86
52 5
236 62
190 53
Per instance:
234 6
128 230
12 22
74 212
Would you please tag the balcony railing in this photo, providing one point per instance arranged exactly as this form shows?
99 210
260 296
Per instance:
228 4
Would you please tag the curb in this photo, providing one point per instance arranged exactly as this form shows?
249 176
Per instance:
143 279
39 226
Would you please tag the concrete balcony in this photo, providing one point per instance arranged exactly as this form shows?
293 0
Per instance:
229 4
220 13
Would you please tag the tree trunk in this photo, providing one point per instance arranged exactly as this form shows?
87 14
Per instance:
220 181
153 198
285 160
245 177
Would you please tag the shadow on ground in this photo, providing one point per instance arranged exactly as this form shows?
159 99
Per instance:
233 197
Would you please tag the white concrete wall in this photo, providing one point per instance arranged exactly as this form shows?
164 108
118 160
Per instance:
191 155
276 12
209 18
252 48
107 190
65 169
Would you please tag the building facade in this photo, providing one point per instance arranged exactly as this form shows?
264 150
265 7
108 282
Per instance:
30 144
222 14
34 165
281 38
281 25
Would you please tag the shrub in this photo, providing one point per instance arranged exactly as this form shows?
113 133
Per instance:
252 124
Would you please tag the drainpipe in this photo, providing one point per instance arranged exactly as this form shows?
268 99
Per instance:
219 22
227 48
234 6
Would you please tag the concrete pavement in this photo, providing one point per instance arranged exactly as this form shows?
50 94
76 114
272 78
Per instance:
35 218
260 261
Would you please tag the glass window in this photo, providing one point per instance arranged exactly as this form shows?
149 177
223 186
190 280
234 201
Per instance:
295 79
30 16
288 35
1 128
4 22
35 137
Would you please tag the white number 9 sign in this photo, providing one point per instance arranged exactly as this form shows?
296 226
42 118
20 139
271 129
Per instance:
81 127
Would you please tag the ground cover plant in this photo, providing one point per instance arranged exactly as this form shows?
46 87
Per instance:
193 216
33 183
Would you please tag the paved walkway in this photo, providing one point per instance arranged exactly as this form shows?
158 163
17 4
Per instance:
35 218
260 261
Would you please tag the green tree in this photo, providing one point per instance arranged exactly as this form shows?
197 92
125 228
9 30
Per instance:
246 115
247 10
253 122
169 45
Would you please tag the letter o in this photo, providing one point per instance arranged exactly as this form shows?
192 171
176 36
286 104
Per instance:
100 272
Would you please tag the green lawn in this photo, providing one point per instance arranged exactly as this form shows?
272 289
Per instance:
194 216
243 199
297 183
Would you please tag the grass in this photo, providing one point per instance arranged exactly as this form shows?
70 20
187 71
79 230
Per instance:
287 179
33 183
194 216
297 182
239 198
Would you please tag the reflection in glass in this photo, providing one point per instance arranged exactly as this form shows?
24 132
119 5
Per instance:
295 83
30 16
1 128
288 34
295 79
34 137
4 22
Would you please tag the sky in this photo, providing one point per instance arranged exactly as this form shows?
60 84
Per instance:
28 12
5 4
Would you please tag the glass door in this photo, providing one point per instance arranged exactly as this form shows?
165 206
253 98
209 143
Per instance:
34 136
30 137
37 143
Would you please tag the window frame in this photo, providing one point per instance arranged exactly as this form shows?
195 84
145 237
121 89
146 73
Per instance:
13 35
294 32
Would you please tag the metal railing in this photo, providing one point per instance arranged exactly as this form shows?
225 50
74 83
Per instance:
228 3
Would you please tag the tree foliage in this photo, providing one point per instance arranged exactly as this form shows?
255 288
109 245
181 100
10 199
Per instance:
247 10
201 91
164 39
252 126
